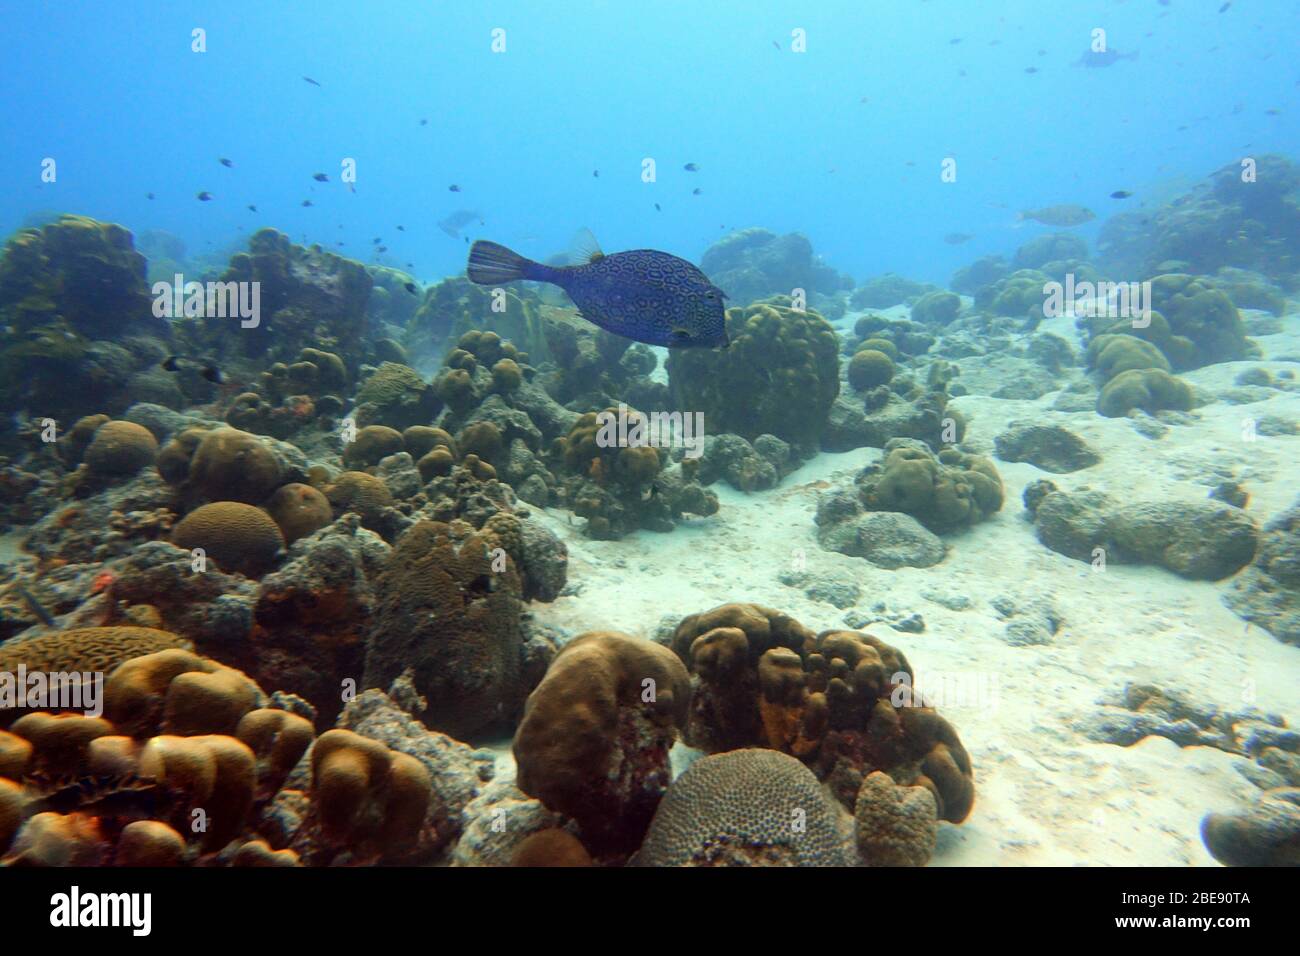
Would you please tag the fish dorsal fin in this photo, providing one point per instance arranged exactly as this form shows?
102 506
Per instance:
584 248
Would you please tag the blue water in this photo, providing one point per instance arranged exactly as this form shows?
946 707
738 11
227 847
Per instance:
842 142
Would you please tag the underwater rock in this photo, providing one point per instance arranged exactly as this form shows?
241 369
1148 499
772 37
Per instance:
1052 247
1149 390
1052 448
751 264
888 539
969 280
309 298
1264 833
1268 592
314 613
212 609
1201 540
734 809
732 458
925 417
484 841
457 772
108 524
936 309
887 290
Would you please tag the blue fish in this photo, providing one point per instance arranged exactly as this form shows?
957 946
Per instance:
644 294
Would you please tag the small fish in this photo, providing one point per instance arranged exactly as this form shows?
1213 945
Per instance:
381 249
1063 215
33 605
775 44
1272 111
595 174
1031 69
957 238
657 208
691 168
1224 8
311 81
225 162
177 363
1121 194
424 122
320 177
644 294
252 208
204 197
458 219
454 188
307 202
401 229
148 195
1108 57
696 191
376 241
410 286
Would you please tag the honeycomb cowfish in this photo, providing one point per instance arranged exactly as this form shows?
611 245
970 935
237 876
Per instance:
643 294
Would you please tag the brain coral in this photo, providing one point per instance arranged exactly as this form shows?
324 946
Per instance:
596 732
746 808
230 465
237 536
98 649
298 510
450 608
779 376
120 448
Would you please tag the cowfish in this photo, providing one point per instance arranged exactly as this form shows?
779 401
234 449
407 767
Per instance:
644 295
1063 215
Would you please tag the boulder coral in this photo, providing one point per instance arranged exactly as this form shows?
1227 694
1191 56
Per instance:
843 702
449 606
944 492
779 376
593 743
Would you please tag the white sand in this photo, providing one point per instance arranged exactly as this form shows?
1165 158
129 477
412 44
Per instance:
1046 795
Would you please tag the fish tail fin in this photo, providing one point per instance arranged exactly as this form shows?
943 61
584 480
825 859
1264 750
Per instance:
492 264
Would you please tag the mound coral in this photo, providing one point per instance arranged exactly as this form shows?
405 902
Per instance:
593 743
298 510
449 607
1150 390
396 396
869 368
237 536
746 808
779 376
226 465
895 825
945 492
120 448
842 701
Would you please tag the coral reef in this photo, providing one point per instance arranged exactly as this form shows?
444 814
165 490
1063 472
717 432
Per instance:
751 264
841 701
748 807
779 376
593 743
